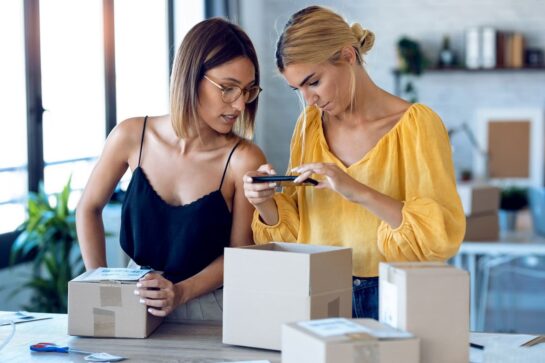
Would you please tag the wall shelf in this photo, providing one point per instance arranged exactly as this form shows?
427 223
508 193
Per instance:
398 73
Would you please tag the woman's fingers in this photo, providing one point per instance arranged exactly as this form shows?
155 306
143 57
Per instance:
302 177
156 292
267 169
159 312
327 169
258 193
158 303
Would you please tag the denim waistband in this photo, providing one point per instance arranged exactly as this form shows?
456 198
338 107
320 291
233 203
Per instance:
364 281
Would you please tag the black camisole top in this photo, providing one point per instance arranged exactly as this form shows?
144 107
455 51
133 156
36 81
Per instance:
178 240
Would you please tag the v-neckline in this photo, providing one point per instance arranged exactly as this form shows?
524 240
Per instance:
367 155
177 206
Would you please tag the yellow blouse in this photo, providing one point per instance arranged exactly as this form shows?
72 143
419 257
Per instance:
411 163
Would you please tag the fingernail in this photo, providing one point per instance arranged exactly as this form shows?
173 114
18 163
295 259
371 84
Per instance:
272 185
138 284
149 310
136 292
142 301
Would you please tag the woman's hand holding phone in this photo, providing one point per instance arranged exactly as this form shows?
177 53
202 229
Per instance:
259 193
287 180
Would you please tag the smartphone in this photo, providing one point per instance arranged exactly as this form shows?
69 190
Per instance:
283 180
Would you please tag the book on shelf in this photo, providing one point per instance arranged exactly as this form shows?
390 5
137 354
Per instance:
488 35
489 48
473 48
510 50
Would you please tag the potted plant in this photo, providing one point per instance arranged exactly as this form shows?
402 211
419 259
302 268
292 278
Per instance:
411 63
512 199
48 238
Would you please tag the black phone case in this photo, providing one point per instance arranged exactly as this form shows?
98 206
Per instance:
282 178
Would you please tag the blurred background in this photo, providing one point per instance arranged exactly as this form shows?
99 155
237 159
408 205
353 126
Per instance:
71 70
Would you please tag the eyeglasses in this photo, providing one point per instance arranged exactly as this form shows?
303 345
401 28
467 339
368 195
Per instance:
231 93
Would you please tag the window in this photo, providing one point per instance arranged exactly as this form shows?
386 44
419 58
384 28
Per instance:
13 140
186 15
72 73
141 58
73 90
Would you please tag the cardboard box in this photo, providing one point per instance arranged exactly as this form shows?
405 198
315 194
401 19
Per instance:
347 340
430 300
99 307
482 227
268 285
479 198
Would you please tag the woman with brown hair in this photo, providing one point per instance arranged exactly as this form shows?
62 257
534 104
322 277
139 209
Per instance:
185 200
387 186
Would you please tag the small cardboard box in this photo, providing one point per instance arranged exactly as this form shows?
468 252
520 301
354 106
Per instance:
344 340
479 198
482 227
430 300
102 303
268 285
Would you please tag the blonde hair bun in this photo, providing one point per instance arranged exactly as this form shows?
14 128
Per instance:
365 37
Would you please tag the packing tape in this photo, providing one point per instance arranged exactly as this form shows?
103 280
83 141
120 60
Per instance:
334 308
103 323
365 347
366 352
110 296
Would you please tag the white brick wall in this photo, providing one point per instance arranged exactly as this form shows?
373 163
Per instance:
454 96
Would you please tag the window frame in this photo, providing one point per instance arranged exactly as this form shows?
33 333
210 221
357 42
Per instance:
34 107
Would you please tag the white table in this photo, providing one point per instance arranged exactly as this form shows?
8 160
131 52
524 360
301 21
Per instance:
510 245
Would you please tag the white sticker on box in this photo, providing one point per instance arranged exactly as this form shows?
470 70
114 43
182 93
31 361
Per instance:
116 274
332 327
388 303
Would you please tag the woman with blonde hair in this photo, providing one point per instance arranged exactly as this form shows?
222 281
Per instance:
185 201
386 178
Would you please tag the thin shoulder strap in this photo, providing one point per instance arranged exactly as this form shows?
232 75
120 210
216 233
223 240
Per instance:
227 164
142 140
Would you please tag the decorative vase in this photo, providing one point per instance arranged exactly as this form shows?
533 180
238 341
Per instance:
537 208
507 220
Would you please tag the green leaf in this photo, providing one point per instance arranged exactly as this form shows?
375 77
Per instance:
50 233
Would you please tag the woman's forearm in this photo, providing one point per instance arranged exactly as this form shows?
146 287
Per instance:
381 205
91 238
209 279
268 212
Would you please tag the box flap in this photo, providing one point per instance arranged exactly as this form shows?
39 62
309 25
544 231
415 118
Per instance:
266 269
303 248
331 271
417 268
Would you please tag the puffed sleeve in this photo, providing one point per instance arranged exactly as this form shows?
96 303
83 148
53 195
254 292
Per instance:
433 221
287 228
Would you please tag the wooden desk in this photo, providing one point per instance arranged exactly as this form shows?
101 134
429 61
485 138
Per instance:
187 343
180 343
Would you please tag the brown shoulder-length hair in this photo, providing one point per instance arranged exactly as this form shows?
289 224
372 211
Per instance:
207 45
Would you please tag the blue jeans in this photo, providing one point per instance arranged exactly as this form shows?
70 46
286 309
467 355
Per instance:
365 297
